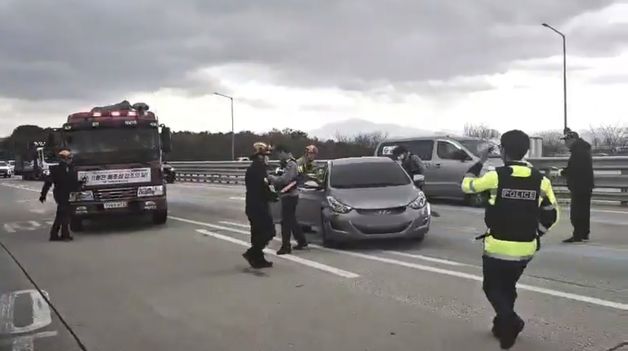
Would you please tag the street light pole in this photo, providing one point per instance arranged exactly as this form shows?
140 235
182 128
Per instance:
232 125
564 69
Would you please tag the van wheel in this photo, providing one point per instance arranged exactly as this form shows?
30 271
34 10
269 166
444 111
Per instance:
160 217
76 224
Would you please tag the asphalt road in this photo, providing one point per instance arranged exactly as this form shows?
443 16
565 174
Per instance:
124 284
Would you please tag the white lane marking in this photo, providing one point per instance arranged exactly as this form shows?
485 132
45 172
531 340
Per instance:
426 258
20 187
551 292
21 226
26 342
398 253
238 198
235 224
305 262
40 312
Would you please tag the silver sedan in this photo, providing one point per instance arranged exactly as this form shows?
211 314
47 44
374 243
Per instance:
364 198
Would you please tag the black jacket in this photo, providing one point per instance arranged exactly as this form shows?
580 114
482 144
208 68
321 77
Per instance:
65 181
579 171
258 191
413 165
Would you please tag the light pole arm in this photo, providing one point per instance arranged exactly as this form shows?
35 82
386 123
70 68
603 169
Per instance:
232 125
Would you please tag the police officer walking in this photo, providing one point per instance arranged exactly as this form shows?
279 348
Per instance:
286 184
258 198
522 207
65 181
579 173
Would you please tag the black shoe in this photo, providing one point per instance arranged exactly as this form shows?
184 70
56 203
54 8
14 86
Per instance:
495 329
585 238
55 238
67 237
284 251
249 258
300 247
508 337
265 264
572 240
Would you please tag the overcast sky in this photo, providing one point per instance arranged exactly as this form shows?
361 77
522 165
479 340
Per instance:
428 64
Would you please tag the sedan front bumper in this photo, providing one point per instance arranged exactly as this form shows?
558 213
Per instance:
409 223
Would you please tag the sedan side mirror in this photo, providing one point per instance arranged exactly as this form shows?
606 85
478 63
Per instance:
310 184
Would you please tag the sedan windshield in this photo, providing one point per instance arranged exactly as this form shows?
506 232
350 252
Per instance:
367 175
3 164
100 146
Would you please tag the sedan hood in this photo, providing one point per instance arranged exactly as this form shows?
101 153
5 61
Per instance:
376 198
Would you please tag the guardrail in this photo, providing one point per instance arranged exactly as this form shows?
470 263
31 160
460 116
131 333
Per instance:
611 174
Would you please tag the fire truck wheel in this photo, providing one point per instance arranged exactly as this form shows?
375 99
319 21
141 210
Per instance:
76 224
160 217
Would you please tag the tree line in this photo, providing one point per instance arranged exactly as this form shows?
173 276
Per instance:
206 146
610 139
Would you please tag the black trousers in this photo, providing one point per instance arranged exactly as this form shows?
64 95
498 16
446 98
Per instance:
289 224
580 214
500 279
62 220
262 230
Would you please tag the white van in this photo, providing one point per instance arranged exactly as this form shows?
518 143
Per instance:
446 159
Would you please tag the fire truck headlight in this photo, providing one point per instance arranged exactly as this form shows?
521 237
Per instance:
153 190
82 196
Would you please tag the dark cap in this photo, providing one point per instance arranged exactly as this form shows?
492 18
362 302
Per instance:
570 134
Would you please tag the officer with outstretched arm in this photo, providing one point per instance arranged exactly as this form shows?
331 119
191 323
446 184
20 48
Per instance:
64 178
522 207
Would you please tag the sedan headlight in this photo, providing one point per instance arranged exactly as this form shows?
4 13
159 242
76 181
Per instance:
419 202
337 206
153 190
82 196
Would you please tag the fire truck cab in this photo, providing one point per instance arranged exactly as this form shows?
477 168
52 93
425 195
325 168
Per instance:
117 156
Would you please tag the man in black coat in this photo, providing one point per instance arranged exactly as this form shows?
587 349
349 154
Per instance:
579 174
65 181
410 162
258 197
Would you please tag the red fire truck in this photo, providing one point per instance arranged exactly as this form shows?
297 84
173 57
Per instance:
117 154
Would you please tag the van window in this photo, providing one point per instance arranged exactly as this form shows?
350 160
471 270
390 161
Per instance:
421 148
446 150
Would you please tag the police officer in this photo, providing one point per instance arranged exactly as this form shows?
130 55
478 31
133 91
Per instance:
522 207
286 183
65 181
258 197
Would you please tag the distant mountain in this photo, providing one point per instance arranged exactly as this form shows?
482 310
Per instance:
355 126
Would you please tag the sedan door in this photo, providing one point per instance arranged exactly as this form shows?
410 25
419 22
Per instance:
311 197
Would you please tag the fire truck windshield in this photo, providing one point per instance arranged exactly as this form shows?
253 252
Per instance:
114 145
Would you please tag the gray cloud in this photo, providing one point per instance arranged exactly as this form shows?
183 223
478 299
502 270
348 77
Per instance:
68 49
610 79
